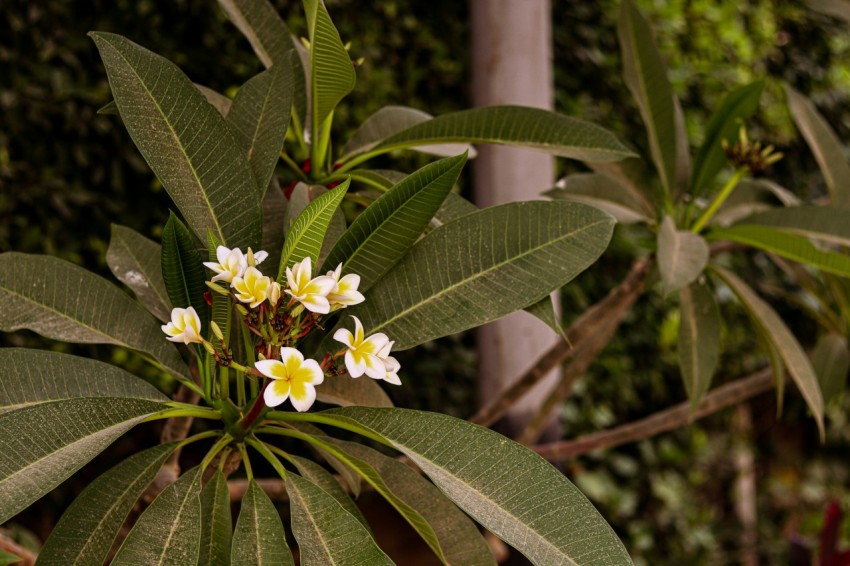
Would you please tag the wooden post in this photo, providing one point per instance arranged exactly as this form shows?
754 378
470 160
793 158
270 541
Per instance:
512 64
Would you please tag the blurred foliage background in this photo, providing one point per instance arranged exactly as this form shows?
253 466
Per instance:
67 172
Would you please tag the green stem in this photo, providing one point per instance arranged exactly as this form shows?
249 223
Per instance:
217 447
196 412
298 129
719 200
267 454
292 165
224 383
199 436
319 146
248 469
321 419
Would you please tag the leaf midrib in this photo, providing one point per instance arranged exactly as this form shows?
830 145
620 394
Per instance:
176 138
174 523
446 290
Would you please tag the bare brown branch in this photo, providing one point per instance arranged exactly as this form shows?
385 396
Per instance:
669 419
618 300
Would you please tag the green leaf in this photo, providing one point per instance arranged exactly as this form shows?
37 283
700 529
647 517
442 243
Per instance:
785 244
308 231
216 523
331 71
260 116
219 101
699 339
349 476
682 255
736 107
390 120
169 531
484 266
839 9
325 531
346 392
41 445
185 141
260 23
603 192
544 311
108 109
7 559
86 531
274 213
511 125
831 362
183 269
752 196
60 300
683 148
504 486
454 207
782 339
319 476
32 377
135 261
823 222
259 538
646 76
825 145
456 537
634 176
381 235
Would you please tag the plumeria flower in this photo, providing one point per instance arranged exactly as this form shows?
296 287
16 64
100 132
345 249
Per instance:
274 293
368 355
185 326
293 378
312 293
345 293
253 287
233 263
255 258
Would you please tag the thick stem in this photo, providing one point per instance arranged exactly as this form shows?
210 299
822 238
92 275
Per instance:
719 200
254 412
619 299
669 419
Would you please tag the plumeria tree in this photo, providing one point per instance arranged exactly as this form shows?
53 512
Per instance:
312 316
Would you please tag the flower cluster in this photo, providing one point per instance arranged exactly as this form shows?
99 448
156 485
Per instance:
279 325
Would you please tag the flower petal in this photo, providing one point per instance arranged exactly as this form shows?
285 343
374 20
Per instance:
271 368
342 335
355 365
260 256
316 303
309 372
303 396
276 393
221 254
321 285
374 366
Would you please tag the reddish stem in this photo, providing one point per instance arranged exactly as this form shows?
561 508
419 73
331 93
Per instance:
254 412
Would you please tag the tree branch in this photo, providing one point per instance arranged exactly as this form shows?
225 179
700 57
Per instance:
618 299
669 419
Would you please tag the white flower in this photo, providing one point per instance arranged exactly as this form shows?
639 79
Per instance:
345 293
252 288
293 378
185 326
368 355
312 293
274 293
232 263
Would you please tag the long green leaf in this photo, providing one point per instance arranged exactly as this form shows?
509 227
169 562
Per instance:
544 311
737 106
331 71
346 392
504 486
603 192
308 232
785 244
682 255
274 212
31 377
385 231
183 269
646 76
8 559
185 141
260 23
783 340
823 222
457 536
699 339
390 120
825 145
831 362
318 475
62 301
633 175
511 125
260 117
88 528
216 523
325 531
41 445
259 539
484 266
169 531
135 261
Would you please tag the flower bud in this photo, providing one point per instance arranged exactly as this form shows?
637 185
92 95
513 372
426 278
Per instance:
216 330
